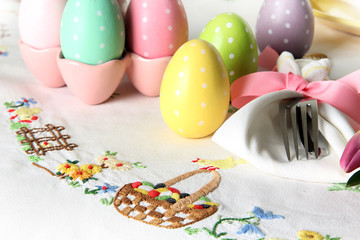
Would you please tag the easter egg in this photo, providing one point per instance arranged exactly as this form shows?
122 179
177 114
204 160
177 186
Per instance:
155 28
39 22
233 38
92 32
195 90
285 26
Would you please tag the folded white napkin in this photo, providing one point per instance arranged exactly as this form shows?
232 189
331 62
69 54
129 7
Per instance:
253 133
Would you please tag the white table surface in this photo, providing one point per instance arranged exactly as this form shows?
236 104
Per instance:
35 205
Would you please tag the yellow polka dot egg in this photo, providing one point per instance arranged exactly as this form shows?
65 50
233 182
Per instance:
195 90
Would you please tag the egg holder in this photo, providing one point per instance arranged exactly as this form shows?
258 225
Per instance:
94 84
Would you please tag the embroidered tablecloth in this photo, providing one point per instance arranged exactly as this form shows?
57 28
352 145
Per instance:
63 162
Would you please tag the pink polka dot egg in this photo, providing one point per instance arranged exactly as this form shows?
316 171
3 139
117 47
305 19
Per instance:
155 28
285 26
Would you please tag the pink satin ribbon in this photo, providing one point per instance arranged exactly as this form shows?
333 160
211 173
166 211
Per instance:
342 94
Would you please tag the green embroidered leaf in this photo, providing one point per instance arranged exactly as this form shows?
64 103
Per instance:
26 147
107 202
17 125
192 231
94 192
8 104
35 159
108 153
72 162
139 165
208 231
327 237
68 178
20 138
12 105
354 180
58 173
75 184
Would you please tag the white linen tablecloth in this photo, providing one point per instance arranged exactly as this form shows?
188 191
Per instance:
35 205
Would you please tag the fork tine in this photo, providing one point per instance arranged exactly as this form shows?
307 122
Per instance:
283 107
314 122
303 112
294 126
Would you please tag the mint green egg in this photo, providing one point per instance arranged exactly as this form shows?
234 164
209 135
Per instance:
235 41
92 31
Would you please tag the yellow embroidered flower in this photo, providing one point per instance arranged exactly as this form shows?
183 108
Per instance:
67 167
309 235
75 174
104 159
91 168
119 165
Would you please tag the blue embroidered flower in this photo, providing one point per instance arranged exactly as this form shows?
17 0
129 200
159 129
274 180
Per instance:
106 188
250 229
26 101
264 214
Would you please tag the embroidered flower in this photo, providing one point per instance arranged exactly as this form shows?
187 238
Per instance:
119 165
26 114
67 168
250 229
106 188
309 235
26 101
264 214
91 168
75 174
104 159
45 144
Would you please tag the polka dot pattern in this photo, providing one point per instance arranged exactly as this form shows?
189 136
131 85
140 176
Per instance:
238 47
88 41
167 16
192 98
285 26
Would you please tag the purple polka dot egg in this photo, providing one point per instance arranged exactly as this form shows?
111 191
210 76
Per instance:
285 26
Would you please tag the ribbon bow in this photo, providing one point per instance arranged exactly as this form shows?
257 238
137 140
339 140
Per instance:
342 94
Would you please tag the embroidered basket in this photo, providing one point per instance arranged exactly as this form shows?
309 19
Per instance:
161 213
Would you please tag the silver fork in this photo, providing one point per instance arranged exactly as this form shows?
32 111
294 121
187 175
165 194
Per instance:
303 117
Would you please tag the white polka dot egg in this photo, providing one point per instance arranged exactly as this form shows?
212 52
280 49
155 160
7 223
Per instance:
285 26
195 90
155 29
233 38
92 32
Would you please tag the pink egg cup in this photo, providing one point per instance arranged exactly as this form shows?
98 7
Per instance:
42 64
146 74
92 84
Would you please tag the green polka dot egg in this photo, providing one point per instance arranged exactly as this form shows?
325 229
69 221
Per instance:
195 90
92 32
233 38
